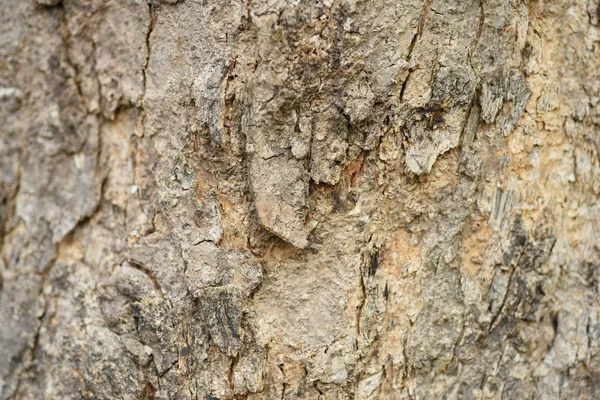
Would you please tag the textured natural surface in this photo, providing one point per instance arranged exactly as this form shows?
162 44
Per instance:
299 199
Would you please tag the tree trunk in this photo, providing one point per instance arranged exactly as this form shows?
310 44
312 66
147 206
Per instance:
331 199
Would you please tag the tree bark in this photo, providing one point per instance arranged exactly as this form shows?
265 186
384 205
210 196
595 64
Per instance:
333 199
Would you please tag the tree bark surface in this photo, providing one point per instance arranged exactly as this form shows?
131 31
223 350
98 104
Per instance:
275 199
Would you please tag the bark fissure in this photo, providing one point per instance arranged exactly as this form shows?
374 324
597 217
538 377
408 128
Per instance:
148 49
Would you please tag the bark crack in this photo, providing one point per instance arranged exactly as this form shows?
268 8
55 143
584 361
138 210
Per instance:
478 33
151 21
361 305
413 44
66 38
137 265
508 287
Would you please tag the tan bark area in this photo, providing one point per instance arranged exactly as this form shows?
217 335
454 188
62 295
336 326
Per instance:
332 199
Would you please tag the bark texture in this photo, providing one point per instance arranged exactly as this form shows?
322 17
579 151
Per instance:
294 199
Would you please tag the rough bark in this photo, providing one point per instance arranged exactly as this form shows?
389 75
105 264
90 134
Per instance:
331 199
